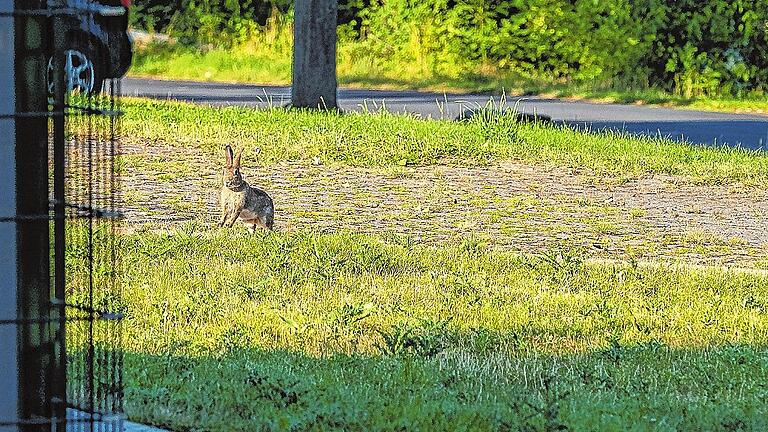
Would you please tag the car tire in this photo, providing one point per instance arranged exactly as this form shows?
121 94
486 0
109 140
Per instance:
84 69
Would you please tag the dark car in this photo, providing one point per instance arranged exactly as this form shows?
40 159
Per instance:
97 45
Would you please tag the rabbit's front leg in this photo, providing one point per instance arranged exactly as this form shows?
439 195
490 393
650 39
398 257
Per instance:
235 214
226 214
223 218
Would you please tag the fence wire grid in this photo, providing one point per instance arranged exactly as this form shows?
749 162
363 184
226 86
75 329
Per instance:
69 308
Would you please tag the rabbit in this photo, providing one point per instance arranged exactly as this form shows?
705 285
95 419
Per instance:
241 200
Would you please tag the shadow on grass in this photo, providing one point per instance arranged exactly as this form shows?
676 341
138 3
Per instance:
643 387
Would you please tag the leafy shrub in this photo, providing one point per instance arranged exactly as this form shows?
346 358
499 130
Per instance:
709 47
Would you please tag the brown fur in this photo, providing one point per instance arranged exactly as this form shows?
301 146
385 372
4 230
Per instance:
239 200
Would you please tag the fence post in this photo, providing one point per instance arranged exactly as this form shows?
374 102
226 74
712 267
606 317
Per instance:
9 361
38 362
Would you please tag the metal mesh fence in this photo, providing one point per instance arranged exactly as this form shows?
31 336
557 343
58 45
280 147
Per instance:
67 216
91 260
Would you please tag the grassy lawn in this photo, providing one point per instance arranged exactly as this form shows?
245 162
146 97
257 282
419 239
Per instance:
385 140
440 275
306 331
269 62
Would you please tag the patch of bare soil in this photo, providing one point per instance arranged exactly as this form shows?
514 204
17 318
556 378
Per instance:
510 206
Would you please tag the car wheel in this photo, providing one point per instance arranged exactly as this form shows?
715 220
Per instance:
83 72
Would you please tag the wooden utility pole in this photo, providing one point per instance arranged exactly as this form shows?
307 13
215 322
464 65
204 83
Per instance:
314 54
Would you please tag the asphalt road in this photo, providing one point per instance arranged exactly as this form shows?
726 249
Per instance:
698 127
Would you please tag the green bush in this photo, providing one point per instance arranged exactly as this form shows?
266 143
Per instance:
690 47
551 39
706 47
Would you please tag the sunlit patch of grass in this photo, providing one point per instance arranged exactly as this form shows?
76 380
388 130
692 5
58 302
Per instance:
305 273
180 203
385 140
636 212
161 168
242 65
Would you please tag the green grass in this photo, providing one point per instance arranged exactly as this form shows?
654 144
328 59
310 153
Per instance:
267 60
300 331
160 61
385 140
303 331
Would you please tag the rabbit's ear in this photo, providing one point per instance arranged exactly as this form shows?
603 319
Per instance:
230 155
237 158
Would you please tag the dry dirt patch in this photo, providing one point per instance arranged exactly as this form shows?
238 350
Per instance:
510 205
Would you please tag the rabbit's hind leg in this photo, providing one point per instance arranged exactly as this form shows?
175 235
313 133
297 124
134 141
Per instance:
265 222
252 225
255 224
